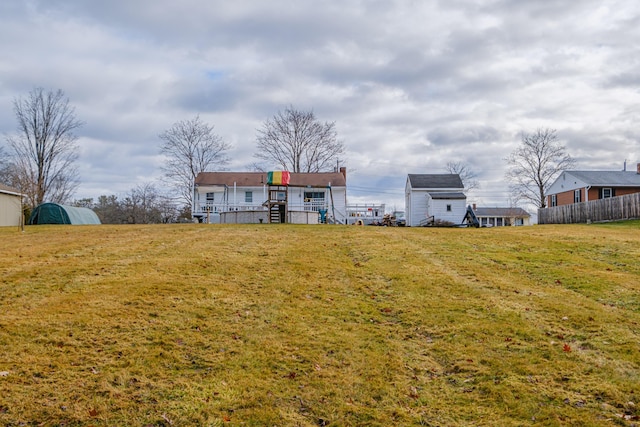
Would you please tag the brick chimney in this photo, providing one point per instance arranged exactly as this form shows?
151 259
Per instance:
343 171
474 207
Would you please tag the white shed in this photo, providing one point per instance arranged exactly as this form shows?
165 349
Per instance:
434 197
10 206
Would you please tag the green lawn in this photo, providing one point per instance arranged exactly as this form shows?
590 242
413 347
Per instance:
265 325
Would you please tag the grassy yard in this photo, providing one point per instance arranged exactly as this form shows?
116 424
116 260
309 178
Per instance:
277 325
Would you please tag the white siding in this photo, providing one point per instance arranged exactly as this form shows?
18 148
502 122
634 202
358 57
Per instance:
565 182
458 210
9 210
418 207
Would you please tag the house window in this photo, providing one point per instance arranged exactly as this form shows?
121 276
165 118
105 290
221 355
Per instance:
317 195
248 196
606 193
448 208
577 196
498 222
554 200
313 200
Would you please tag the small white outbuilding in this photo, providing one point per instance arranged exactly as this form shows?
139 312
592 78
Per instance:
10 206
433 198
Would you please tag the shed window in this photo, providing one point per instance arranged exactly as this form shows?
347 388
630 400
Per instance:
448 208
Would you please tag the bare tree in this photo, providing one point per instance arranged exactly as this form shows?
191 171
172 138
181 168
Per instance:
296 141
141 205
45 149
534 164
109 210
5 167
467 176
191 147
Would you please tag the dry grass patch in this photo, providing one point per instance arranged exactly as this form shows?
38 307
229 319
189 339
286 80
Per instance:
319 325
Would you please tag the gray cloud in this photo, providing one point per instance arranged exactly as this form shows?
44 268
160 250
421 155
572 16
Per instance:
411 85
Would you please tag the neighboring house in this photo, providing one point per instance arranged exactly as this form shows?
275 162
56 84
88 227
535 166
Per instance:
243 197
583 186
10 206
431 198
499 217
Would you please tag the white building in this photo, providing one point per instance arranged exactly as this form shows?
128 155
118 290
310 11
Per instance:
10 206
433 198
243 197
502 217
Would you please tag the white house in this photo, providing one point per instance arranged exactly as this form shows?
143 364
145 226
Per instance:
10 206
502 217
431 198
244 197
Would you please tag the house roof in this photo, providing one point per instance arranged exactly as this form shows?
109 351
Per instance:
608 178
441 195
257 179
8 190
502 212
435 181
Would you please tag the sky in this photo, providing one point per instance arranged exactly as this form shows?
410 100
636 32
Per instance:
410 84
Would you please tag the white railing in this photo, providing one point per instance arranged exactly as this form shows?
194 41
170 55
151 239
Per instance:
204 208
314 205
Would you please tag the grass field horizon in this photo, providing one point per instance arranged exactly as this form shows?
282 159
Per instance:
213 325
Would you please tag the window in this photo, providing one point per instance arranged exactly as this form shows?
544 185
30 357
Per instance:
498 222
576 196
310 195
606 193
448 208
554 200
248 196
313 200
210 197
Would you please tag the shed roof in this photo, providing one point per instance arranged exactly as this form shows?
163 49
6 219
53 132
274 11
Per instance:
435 181
608 178
442 195
8 190
257 179
502 212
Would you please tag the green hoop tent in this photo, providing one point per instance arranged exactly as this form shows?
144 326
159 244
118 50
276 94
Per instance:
53 213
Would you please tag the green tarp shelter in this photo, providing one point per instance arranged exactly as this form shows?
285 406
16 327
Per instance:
53 213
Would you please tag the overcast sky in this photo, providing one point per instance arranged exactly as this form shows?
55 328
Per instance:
410 84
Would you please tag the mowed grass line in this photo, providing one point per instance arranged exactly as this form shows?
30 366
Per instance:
319 325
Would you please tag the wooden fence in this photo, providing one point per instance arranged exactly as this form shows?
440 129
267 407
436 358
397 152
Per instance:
610 209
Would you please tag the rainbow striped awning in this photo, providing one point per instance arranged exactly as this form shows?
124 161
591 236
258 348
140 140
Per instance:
278 178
